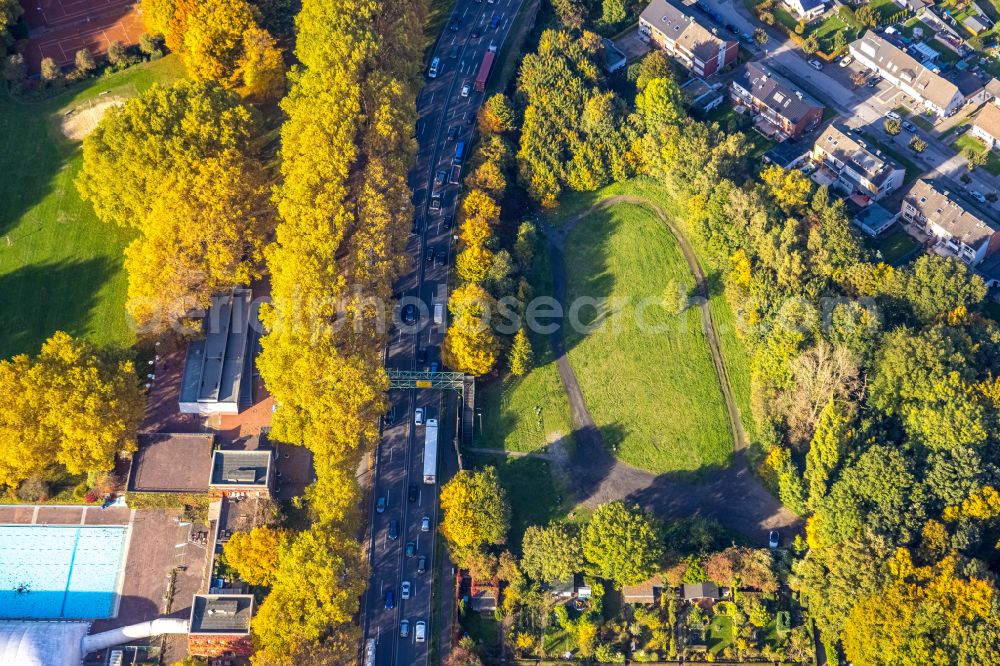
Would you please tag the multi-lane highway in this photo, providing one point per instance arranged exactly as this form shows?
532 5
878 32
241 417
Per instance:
401 501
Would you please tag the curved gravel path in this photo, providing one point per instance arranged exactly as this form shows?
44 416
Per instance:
732 495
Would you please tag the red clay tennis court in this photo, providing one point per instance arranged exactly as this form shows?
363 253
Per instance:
60 28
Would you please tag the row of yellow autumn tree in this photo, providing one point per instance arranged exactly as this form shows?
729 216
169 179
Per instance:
488 271
344 208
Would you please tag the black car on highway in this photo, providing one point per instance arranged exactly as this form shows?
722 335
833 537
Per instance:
413 493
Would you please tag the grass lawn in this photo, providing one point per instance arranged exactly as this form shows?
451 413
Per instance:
945 55
785 18
908 26
647 376
733 351
557 640
484 629
60 267
534 499
510 405
719 634
885 8
969 141
826 30
895 245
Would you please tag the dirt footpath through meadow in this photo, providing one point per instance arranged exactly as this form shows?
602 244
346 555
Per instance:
732 495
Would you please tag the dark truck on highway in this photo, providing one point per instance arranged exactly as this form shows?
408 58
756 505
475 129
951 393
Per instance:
484 69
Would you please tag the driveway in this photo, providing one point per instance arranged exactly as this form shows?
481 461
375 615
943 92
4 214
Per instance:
860 106
733 495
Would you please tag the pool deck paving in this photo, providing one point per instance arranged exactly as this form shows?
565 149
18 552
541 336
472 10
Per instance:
33 514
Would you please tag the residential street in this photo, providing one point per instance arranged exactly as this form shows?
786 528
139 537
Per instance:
860 106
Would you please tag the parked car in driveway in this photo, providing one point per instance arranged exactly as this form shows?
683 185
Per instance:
845 61
773 539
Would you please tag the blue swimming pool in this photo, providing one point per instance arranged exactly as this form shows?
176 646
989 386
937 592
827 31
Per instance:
52 572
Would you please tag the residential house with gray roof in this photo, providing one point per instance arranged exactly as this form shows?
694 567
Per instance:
673 28
932 91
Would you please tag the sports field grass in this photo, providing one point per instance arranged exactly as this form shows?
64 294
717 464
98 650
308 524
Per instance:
527 413
60 267
646 375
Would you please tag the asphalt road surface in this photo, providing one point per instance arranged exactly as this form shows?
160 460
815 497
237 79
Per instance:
862 107
446 116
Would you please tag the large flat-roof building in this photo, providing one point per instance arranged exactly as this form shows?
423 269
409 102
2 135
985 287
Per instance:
220 624
171 463
672 28
778 105
933 91
218 370
858 168
960 231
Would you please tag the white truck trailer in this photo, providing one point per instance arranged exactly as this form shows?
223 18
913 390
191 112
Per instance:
430 451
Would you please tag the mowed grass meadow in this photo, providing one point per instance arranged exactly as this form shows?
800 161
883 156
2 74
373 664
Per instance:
60 267
531 412
647 376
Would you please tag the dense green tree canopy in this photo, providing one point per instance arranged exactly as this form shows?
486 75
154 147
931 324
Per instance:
552 553
622 544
